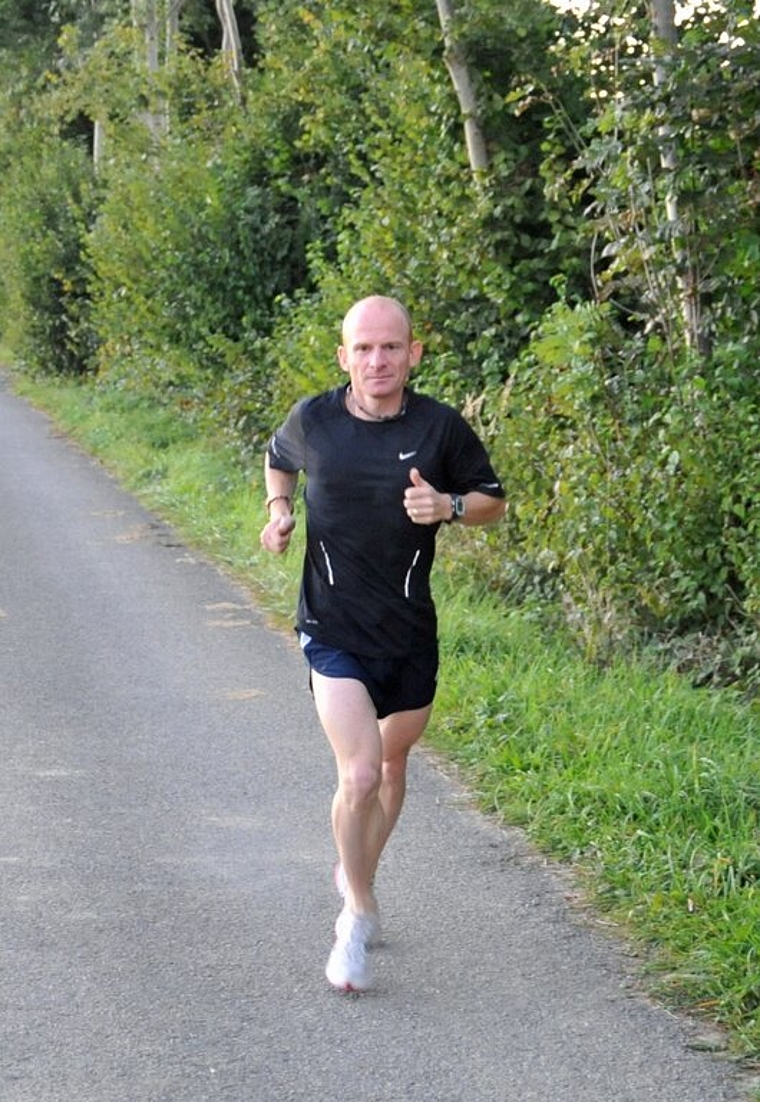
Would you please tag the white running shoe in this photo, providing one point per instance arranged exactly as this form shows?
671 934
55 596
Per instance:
373 933
348 967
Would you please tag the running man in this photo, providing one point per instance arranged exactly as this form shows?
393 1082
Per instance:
384 468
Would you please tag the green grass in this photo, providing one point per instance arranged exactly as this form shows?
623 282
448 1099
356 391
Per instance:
649 788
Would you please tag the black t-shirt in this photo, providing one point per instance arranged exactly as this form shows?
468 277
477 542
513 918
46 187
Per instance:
366 579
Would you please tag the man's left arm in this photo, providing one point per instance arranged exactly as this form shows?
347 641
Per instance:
426 505
479 508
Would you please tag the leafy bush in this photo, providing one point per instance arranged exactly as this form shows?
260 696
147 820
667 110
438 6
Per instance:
189 253
46 206
640 489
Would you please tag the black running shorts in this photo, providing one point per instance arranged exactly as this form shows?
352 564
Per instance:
394 684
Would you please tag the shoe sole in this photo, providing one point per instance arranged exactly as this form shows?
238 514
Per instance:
348 988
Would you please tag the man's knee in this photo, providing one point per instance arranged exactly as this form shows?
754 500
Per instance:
394 768
359 781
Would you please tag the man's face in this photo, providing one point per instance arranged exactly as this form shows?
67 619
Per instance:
377 351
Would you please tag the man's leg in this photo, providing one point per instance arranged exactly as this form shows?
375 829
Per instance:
399 733
348 717
371 759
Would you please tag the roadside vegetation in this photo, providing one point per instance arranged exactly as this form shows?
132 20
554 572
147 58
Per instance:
645 786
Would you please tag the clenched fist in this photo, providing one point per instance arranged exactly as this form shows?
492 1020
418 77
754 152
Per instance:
275 536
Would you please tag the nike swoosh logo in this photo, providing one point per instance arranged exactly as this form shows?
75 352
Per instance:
406 455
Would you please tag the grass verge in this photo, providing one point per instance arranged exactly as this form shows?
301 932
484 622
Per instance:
650 788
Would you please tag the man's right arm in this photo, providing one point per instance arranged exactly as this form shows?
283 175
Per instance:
280 488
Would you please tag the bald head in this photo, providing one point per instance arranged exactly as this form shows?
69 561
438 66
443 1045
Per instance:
376 307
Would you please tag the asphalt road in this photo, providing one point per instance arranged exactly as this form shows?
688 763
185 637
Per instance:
165 859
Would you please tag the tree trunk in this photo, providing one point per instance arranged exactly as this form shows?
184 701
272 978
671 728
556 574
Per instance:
172 24
98 143
231 49
464 86
149 17
665 46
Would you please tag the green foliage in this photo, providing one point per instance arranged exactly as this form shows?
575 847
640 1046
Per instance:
638 490
46 206
663 167
374 107
191 249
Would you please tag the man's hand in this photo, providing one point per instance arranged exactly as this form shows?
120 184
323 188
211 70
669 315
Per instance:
275 536
423 503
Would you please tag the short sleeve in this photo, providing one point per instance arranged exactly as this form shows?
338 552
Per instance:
287 447
470 464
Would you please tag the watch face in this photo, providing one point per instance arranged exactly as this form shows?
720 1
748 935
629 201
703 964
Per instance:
457 505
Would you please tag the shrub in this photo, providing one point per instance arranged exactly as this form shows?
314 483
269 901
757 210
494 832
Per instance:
46 207
640 488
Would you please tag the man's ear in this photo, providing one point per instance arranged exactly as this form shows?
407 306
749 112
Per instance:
342 357
415 353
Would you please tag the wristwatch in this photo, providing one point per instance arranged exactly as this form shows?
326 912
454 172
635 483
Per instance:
457 508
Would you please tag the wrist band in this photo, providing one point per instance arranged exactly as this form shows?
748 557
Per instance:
278 497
